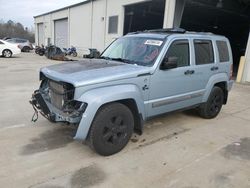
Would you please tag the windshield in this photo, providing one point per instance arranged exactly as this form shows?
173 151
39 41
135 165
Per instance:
134 50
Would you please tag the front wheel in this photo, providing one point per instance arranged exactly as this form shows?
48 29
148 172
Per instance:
111 129
7 53
212 107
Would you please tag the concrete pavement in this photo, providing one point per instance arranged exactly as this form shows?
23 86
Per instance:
179 150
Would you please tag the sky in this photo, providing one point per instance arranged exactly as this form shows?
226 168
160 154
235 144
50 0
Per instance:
23 10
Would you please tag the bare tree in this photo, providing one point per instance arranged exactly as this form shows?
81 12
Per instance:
17 30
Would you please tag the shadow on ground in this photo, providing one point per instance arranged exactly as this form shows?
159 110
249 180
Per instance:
87 177
50 140
238 150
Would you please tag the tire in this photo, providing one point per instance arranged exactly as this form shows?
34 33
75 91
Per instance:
41 53
111 129
212 107
74 54
26 49
7 53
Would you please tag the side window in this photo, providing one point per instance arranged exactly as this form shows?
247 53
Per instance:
113 25
20 41
204 53
223 51
179 49
1 42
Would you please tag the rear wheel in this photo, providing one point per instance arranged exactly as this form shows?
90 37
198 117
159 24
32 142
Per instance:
74 54
7 53
111 129
26 49
212 107
41 52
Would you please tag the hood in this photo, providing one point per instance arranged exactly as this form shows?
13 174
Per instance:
92 71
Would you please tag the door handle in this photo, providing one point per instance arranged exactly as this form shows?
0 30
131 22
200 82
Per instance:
189 72
214 68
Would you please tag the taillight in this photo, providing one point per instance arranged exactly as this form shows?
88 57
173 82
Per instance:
231 72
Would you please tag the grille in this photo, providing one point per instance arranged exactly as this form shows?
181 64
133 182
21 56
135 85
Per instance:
60 94
56 92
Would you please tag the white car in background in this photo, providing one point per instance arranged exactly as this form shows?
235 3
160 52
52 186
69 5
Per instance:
23 44
7 49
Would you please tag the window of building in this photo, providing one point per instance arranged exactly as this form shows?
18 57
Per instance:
223 51
204 53
113 25
180 49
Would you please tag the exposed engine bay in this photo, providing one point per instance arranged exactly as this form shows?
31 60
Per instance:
55 101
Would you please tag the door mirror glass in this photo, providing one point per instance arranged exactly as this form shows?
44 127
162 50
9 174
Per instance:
169 63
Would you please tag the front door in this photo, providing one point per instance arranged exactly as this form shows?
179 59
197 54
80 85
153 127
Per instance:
174 88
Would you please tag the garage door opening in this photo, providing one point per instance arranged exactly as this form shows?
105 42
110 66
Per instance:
61 33
230 18
40 30
144 16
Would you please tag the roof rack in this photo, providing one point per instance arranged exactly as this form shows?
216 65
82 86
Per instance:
167 30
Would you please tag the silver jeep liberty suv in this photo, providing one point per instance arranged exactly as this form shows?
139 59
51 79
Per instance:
140 75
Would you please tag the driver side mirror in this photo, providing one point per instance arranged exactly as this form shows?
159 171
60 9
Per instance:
169 63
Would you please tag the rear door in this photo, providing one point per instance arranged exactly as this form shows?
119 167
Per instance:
205 61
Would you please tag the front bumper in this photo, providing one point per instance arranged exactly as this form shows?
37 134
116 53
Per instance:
50 112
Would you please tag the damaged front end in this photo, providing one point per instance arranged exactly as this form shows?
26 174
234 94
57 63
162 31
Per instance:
55 101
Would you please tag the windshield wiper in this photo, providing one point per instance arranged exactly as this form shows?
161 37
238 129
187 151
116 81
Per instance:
117 59
104 57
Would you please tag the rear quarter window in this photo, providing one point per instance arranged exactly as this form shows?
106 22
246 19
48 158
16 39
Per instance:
223 51
204 53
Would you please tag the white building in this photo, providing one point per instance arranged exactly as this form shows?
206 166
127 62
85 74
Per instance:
96 23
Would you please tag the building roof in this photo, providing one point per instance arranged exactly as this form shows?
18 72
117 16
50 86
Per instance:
60 9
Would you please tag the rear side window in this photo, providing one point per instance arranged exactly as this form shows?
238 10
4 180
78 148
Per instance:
179 49
204 53
223 51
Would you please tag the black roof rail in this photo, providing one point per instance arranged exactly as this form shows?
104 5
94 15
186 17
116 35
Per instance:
167 30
